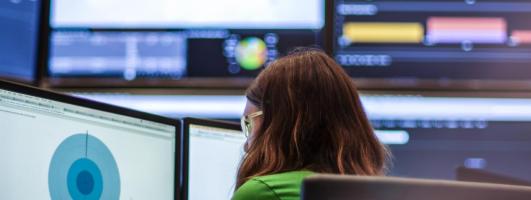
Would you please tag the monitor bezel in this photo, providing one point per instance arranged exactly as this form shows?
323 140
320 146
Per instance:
186 144
63 98
42 47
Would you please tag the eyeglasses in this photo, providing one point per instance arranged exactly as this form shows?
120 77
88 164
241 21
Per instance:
247 122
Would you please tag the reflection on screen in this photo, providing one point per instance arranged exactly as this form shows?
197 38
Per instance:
19 20
63 151
214 157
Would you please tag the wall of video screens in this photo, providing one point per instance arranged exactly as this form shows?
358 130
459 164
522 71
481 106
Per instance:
168 39
401 42
438 40
429 136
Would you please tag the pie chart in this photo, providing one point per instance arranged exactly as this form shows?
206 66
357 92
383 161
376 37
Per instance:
251 53
83 168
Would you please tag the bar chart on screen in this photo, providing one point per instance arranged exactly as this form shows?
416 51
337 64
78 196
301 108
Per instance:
430 39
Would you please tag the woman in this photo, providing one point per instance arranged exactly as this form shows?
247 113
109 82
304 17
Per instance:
304 116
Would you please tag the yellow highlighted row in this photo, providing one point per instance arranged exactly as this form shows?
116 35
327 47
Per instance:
381 32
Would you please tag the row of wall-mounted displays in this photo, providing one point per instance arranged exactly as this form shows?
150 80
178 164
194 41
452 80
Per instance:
409 41
437 133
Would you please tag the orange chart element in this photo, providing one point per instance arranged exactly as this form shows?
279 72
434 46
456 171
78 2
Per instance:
383 32
485 30
521 36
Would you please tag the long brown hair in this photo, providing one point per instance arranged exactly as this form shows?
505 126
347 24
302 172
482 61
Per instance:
312 119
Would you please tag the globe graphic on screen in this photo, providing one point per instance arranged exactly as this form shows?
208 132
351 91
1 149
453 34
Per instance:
251 53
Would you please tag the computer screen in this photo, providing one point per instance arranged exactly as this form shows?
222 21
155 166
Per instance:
235 14
19 20
59 149
214 153
440 134
440 40
172 40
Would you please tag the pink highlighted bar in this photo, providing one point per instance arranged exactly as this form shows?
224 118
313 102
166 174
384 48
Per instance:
521 36
487 30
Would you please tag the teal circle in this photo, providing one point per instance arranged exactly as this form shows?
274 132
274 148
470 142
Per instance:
83 167
84 180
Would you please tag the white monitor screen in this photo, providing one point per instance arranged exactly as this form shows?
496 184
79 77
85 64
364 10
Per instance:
54 150
243 14
214 157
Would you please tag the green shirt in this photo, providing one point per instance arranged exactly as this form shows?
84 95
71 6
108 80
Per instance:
282 186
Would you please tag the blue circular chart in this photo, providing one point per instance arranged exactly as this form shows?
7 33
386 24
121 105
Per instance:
83 168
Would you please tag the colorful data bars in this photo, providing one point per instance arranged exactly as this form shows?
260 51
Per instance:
483 30
521 36
439 30
382 32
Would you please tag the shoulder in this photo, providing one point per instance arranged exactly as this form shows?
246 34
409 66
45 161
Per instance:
255 189
289 177
272 187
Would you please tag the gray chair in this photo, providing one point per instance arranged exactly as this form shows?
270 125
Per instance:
338 187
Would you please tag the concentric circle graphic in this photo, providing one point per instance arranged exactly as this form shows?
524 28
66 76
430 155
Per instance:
83 168
251 53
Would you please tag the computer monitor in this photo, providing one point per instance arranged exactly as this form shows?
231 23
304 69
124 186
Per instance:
169 41
455 44
435 135
61 147
212 154
20 21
